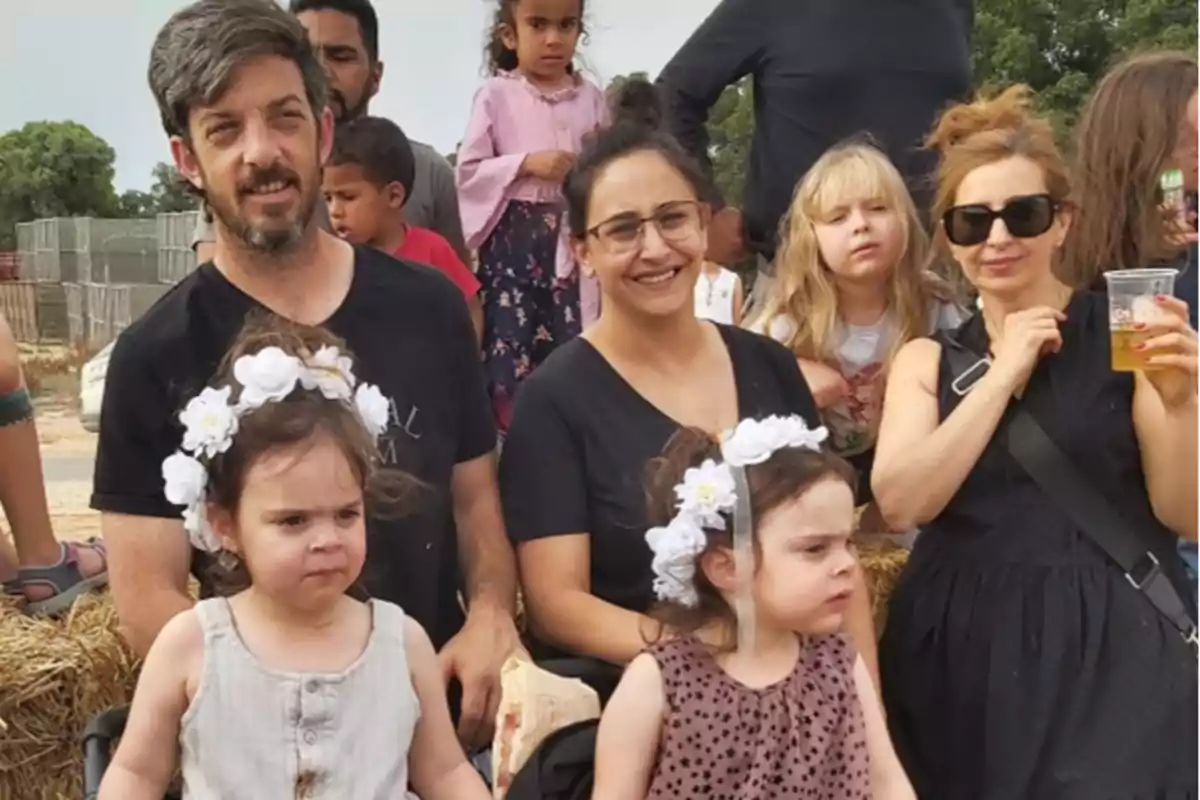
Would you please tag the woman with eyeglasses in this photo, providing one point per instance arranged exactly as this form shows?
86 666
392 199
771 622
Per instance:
587 423
1019 661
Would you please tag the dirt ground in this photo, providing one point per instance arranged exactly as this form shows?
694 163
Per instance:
65 441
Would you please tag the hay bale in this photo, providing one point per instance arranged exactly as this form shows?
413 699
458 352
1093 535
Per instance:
54 676
883 562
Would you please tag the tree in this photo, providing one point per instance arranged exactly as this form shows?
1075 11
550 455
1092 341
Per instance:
1061 48
53 169
135 203
169 191
730 129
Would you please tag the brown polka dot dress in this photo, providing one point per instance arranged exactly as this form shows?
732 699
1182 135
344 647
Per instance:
802 737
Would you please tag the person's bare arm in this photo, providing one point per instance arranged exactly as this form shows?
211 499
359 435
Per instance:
437 766
827 385
489 568
478 651
919 464
1165 409
561 608
859 624
888 781
148 561
147 756
630 729
1167 439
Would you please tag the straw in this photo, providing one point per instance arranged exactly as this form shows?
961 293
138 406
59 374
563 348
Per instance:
882 562
54 676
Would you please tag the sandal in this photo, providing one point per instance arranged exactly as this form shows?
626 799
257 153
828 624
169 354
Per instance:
64 578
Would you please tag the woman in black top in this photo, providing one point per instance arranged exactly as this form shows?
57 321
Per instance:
1019 660
586 423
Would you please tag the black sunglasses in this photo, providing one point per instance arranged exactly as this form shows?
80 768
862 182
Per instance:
1024 217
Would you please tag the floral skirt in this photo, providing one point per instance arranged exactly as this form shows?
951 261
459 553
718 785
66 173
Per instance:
527 311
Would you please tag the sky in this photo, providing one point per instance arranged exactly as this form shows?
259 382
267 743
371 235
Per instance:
85 61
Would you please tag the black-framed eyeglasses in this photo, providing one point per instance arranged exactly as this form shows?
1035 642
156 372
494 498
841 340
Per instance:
676 221
1025 217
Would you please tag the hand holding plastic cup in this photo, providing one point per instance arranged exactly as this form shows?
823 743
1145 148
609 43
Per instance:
1131 306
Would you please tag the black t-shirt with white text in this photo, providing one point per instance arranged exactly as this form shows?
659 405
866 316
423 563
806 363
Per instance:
581 438
410 334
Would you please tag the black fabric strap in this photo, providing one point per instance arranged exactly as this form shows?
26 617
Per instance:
1053 471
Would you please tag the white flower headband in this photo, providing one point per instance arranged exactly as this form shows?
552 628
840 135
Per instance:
210 420
710 491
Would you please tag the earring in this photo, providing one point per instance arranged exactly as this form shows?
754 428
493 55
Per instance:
587 270
227 560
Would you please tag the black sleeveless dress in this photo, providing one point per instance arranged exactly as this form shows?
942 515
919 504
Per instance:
1018 663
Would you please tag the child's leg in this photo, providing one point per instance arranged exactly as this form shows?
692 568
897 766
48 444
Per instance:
8 567
47 567
553 300
565 318
563 313
516 268
22 491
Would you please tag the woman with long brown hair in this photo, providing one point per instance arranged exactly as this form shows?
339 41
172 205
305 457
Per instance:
1134 128
1020 660
1139 124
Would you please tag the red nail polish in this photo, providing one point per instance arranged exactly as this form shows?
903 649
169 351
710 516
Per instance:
1140 346
1137 326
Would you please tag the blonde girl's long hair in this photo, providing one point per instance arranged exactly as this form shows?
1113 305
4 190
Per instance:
805 294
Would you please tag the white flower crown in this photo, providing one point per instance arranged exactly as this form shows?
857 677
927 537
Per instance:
709 492
210 420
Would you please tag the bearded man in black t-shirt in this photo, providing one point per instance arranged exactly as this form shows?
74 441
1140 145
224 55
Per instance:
244 102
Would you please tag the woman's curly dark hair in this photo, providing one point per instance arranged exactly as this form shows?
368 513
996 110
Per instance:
636 101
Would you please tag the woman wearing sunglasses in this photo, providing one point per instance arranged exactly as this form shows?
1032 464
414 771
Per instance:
1018 660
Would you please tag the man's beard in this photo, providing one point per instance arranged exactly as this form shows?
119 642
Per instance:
271 240
343 111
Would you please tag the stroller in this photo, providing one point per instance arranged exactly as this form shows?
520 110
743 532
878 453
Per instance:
560 769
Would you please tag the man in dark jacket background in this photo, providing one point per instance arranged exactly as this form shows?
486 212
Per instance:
823 72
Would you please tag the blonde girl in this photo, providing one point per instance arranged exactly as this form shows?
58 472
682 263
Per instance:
852 288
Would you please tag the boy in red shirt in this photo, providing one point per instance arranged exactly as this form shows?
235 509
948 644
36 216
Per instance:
367 181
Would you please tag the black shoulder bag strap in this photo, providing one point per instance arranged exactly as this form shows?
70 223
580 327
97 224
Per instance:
1053 471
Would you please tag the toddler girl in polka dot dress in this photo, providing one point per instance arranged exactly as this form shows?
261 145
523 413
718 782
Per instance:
747 690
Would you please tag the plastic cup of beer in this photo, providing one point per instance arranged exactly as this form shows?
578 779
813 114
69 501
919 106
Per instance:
1132 304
